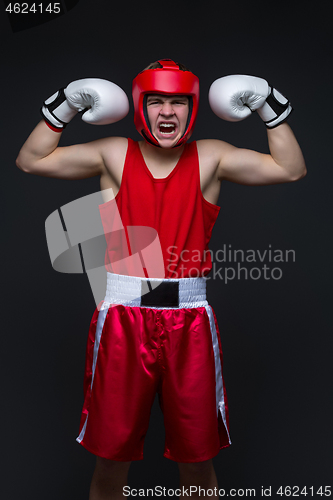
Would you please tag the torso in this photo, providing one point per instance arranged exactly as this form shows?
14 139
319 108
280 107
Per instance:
166 199
114 159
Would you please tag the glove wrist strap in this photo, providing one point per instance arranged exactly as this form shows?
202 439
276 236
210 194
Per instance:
276 109
56 110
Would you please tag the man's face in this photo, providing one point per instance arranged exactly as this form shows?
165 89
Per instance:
168 117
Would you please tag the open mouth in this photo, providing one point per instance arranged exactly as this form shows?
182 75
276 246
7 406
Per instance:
167 128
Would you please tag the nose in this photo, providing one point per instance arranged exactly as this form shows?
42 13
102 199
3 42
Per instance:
167 109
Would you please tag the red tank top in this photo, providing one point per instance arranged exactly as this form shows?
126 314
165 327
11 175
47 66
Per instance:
173 206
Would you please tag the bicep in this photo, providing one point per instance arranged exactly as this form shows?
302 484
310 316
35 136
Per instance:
71 162
245 166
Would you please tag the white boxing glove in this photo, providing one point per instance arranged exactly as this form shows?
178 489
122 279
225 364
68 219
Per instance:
235 97
100 101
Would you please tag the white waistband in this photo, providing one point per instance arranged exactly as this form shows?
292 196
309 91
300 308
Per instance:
127 290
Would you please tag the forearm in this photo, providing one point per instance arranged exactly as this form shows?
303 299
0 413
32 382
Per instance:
41 143
286 151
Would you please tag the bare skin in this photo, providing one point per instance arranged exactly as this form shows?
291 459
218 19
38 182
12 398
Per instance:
199 474
218 161
108 480
110 477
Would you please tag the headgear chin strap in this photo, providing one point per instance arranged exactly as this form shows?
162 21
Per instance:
168 79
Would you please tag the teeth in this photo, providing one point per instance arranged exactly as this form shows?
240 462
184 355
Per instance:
169 126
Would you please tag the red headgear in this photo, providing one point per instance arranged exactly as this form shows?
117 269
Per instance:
168 79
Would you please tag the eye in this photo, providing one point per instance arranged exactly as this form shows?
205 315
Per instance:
181 102
153 102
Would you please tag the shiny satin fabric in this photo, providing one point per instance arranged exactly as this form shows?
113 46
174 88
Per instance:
134 352
144 204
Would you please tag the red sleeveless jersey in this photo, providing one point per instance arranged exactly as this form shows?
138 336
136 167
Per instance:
173 206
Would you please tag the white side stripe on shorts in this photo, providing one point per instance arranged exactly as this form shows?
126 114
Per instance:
220 401
99 328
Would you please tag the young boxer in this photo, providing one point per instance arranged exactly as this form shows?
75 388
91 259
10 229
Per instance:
167 340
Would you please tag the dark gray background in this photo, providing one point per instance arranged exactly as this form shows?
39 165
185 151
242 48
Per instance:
276 335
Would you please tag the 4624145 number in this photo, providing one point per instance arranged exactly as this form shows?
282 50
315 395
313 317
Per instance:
25 8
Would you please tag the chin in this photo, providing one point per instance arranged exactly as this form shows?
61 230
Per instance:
168 143
166 146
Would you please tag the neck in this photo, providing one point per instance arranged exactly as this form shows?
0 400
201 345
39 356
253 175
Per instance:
162 155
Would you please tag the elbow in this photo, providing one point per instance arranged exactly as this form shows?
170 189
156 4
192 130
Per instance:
23 165
302 174
298 175
19 164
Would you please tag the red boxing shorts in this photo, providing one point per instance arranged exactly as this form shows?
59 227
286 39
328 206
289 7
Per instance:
164 341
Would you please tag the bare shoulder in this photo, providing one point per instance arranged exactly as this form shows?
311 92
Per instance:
211 151
113 151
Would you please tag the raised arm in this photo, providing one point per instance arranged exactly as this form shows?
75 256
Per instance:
234 98
103 101
41 155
